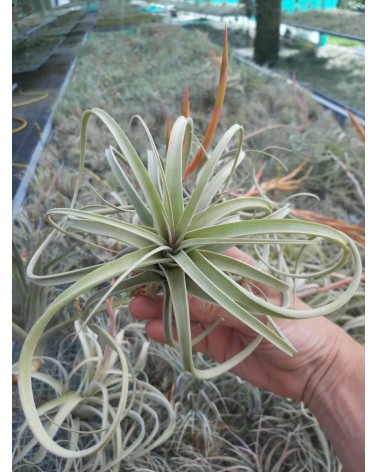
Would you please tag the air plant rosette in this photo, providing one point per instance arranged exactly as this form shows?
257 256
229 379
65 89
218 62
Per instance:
96 405
168 232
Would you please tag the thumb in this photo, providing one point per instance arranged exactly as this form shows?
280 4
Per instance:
241 255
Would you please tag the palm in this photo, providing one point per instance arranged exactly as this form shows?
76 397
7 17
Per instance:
267 367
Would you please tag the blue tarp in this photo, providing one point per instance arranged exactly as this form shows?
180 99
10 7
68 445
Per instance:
304 5
287 5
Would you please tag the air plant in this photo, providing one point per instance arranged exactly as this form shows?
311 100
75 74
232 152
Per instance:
29 301
99 407
171 236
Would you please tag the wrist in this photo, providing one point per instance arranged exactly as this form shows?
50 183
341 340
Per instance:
335 395
335 372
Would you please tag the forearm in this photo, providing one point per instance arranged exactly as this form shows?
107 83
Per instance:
336 397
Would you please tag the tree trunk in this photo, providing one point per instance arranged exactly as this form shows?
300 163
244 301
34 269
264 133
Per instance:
267 38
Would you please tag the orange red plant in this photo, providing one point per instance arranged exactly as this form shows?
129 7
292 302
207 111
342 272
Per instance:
217 110
356 124
287 183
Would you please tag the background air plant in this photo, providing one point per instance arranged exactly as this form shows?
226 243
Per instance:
170 235
96 403
29 301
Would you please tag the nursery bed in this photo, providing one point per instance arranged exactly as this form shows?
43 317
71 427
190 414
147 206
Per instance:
62 25
50 78
29 25
29 55
339 22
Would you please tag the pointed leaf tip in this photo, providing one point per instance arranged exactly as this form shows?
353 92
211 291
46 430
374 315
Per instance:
168 132
185 111
210 132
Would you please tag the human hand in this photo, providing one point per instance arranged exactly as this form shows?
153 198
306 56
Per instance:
316 340
326 372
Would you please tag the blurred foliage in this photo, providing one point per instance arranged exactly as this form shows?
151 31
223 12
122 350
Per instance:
338 21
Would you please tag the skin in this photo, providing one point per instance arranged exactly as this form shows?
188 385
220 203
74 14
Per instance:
327 373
